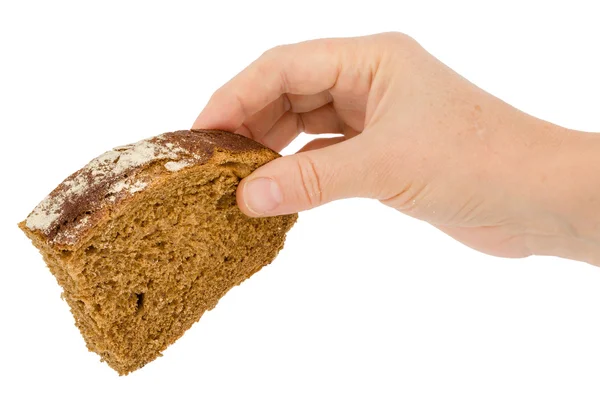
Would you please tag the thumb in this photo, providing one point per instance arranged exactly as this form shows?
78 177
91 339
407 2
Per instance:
308 179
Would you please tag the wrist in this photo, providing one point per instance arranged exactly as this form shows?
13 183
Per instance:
564 189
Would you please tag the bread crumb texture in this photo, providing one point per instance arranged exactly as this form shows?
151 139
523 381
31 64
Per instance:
147 237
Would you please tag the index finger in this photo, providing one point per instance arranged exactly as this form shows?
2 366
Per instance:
302 68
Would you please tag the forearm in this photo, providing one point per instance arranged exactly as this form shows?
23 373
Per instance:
565 183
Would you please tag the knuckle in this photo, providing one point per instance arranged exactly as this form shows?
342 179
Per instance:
331 44
274 51
400 45
310 180
218 94
398 38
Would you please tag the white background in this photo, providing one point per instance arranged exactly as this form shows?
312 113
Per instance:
363 302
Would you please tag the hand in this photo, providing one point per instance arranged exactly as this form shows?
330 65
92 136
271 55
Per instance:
414 135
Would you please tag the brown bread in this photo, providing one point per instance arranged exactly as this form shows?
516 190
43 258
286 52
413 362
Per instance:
147 237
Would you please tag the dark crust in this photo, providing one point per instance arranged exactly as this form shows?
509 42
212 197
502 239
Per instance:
222 139
198 146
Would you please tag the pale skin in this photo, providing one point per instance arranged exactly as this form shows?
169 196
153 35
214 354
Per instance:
416 136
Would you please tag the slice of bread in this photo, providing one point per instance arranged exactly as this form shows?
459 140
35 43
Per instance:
147 237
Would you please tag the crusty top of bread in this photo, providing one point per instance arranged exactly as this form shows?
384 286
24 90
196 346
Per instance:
77 204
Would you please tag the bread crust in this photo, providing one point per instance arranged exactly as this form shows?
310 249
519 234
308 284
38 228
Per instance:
65 217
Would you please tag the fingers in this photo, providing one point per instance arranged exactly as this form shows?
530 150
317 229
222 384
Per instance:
321 120
309 179
283 132
256 126
304 68
260 123
306 103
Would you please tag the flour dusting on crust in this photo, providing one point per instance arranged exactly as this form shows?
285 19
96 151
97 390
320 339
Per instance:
72 208
176 165
111 164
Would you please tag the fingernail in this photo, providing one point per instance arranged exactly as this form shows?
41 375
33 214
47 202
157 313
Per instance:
262 195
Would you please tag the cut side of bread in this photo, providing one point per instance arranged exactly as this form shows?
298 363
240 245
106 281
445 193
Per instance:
147 237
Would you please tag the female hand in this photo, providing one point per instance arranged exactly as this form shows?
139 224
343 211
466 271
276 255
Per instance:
414 135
